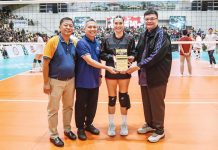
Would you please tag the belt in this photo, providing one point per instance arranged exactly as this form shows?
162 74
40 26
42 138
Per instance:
63 79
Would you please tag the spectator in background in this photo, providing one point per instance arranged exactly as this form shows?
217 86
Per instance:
185 53
15 51
31 21
11 25
22 32
211 47
4 53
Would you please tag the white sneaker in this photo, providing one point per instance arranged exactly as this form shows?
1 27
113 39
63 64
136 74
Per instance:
155 137
123 130
111 130
189 75
215 66
144 129
210 66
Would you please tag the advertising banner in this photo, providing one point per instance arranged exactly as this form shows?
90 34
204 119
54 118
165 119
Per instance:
129 21
21 24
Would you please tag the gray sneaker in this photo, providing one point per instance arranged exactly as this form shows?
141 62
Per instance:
111 130
144 129
155 137
123 130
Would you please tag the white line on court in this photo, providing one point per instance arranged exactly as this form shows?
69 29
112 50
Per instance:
13 76
212 101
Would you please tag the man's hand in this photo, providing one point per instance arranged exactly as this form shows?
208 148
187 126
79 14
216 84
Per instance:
47 88
186 54
130 59
111 70
122 72
132 68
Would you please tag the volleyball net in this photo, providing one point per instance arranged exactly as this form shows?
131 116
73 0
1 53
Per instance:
16 49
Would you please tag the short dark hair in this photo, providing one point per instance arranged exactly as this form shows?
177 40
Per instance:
118 16
90 20
151 11
65 18
39 34
184 32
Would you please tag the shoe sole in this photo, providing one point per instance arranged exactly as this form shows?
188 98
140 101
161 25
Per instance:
82 139
111 135
124 134
141 132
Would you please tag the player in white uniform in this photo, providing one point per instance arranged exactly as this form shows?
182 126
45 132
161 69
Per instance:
38 52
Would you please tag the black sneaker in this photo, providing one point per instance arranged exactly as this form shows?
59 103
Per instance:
92 130
81 134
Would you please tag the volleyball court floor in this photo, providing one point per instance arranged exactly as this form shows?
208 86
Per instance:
190 119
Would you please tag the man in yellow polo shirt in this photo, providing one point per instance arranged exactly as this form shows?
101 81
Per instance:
59 80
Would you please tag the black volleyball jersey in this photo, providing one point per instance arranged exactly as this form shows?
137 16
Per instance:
108 46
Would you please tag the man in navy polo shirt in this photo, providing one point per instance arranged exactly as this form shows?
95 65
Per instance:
88 79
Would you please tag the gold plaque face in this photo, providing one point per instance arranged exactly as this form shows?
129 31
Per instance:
121 63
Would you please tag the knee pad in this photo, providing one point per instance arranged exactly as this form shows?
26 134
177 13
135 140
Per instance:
124 100
112 101
34 60
39 61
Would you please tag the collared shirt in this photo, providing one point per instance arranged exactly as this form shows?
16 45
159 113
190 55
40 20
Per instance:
62 55
86 75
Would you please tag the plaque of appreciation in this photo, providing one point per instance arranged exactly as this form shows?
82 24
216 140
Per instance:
121 60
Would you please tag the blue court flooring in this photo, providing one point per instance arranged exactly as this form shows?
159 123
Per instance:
13 66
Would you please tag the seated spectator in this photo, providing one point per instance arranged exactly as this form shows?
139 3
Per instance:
4 53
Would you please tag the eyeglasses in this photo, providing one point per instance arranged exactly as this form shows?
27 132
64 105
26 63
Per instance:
151 19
